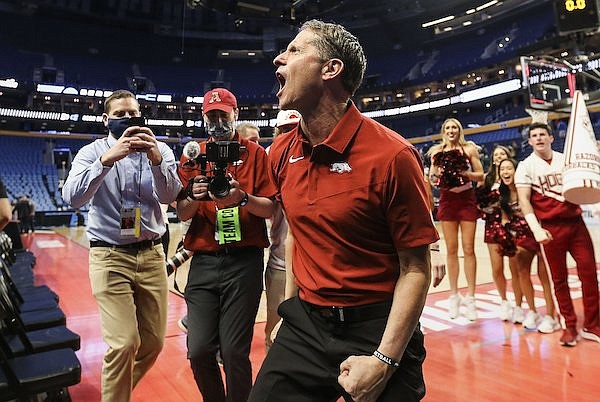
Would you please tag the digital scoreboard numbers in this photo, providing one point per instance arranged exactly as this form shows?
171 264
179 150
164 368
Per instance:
576 15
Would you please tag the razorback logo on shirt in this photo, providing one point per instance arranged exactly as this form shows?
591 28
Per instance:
340 167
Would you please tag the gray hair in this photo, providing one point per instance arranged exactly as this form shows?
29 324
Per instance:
334 41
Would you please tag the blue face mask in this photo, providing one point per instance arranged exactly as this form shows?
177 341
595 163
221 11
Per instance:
118 126
220 131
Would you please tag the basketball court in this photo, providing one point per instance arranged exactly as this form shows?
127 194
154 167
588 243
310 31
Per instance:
484 360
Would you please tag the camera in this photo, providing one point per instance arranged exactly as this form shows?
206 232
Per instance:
137 121
181 256
221 153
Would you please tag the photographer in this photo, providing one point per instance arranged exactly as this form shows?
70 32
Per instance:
125 177
228 195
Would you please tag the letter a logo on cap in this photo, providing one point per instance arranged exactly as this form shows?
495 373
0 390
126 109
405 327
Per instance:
214 97
219 99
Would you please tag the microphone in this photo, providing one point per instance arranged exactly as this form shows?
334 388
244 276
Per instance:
191 150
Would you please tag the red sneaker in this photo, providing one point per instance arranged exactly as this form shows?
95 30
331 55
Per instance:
591 334
569 337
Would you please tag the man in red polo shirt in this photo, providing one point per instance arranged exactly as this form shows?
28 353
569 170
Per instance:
228 236
356 203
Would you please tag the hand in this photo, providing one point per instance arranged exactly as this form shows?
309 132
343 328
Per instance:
233 198
466 174
542 236
434 177
134 139
438 272
142 139
198 190
364 377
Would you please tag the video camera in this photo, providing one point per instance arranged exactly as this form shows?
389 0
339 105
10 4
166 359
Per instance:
221 153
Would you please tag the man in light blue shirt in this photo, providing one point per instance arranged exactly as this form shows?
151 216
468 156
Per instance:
125 177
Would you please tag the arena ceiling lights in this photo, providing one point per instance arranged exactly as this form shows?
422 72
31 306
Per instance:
465 97
478 14
9 83
438 21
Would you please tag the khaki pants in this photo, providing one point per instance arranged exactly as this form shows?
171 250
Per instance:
131 290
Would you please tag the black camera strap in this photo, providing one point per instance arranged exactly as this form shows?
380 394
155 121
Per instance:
175 281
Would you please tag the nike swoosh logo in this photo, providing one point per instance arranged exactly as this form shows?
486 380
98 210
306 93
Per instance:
294 160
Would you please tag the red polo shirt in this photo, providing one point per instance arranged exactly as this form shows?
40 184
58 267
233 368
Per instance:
351 202
252 174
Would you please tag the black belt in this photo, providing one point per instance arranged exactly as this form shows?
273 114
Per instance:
222 252
352 314
140 245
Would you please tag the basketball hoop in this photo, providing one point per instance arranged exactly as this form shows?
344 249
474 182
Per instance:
538 116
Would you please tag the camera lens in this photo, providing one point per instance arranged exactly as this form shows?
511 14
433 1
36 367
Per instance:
219 186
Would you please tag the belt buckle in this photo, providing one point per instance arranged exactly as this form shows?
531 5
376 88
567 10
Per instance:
334 313
338 313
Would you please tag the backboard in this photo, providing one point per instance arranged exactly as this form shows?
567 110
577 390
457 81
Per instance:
550 81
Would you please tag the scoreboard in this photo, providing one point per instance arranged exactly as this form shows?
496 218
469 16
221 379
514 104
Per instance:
576 15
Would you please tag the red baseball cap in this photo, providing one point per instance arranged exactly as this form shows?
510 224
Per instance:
219 99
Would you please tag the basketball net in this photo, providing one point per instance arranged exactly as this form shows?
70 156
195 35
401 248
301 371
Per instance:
538 116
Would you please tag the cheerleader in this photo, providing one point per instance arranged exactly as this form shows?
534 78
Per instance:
455 165
518 242
488 200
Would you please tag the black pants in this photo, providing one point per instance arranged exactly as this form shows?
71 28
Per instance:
222 296
26 224
303 363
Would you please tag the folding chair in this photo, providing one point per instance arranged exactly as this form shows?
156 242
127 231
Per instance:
20 342
32 320
47 373
30 298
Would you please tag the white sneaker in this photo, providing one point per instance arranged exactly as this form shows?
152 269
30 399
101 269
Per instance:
548 325
471 310
518 315
505 310
531 320
453 304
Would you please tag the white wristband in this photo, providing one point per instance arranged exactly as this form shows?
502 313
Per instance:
538 231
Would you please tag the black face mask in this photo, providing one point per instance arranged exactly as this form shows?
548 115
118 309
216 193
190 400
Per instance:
220 131
118 126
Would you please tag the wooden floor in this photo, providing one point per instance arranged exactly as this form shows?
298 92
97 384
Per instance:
485 360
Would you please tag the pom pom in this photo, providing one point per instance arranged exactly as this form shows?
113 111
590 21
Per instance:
451 163
519 227
507 242
487 200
